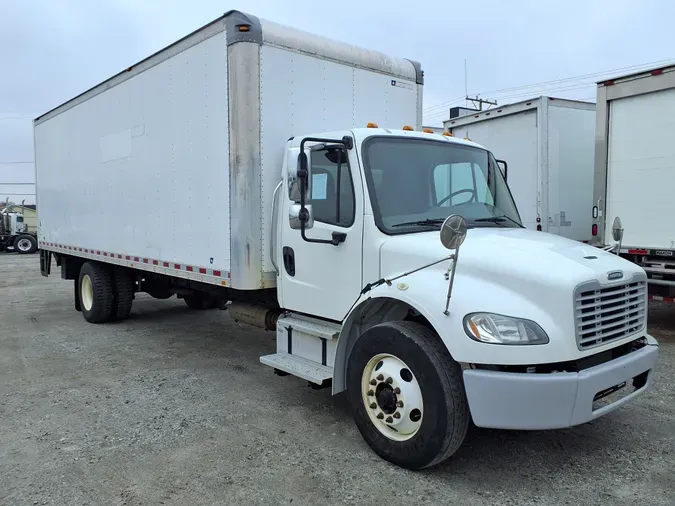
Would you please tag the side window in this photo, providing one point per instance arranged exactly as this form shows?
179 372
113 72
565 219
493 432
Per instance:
332 197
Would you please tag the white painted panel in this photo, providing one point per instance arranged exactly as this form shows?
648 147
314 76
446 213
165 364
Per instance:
641 169
142 168
512 138
571 145
301 95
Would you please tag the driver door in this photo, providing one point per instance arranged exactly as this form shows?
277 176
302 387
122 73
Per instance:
322 279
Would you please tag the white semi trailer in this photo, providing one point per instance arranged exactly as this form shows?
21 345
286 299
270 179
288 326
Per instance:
257 190
635 172
548 143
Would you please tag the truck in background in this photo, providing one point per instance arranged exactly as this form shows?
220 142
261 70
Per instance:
343 240
14 233
548 143
635 172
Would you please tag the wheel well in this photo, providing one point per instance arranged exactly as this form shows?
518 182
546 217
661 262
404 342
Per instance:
368 314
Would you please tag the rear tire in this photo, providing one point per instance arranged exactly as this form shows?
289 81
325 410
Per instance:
124 295
401 376
25 243
198 302
96 292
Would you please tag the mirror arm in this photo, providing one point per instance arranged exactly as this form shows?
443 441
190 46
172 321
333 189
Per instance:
303 175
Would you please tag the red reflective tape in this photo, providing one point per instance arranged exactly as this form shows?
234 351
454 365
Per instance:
98 252
145 260
176 266
202 270
105 254
136 259
119 256
217 273
658 298
128 257
155 262
637 251
166 264
188 268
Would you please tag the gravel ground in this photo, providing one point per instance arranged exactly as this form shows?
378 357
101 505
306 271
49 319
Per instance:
173 407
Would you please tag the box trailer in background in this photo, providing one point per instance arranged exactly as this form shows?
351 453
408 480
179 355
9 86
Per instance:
635 172
268 188
548 146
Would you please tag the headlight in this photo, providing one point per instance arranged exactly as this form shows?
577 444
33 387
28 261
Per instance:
498 329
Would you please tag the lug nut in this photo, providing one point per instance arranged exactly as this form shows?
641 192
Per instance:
389 380
371 393
380 377
373 382
373 405
389 419
380 416
399 404
397 415
397 390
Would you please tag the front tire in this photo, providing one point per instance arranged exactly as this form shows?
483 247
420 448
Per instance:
407 395
96 292
25 244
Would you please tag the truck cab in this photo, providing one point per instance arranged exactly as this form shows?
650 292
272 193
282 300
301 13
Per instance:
14 234
522 330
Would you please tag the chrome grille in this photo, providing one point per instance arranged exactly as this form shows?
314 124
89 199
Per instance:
605 314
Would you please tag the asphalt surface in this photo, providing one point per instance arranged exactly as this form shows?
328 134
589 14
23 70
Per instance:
173 407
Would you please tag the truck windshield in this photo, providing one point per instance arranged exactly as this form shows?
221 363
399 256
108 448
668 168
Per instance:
416 183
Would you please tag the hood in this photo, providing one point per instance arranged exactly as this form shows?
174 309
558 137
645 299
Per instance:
502 253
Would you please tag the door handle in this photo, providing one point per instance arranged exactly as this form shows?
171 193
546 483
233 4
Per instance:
289 260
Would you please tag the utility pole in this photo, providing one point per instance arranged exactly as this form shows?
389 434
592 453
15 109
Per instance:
481 101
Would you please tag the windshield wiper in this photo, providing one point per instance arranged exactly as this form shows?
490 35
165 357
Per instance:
424 223
499 219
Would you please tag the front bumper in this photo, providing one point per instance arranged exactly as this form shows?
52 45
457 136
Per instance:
506 400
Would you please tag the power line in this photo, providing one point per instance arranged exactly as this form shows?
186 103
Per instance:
567 80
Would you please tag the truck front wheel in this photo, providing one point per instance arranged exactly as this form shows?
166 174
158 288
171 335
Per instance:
25 244
96 292
407 395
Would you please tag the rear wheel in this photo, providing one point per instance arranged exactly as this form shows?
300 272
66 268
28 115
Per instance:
25 244
124 295
96 292
407 395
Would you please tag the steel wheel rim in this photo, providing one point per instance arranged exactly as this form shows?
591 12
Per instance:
87 292
23 245
392 397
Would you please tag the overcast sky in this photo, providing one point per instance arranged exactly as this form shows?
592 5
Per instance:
51 50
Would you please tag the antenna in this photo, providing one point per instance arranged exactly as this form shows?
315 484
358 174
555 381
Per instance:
466 85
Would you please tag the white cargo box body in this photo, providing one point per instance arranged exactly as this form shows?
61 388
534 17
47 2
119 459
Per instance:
171 165
548 144
635 159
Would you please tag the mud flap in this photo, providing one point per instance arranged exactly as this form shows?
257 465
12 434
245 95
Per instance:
45 262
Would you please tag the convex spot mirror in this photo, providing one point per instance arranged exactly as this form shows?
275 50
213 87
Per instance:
617 229
453 231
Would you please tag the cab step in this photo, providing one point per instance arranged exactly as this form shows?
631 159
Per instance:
300 367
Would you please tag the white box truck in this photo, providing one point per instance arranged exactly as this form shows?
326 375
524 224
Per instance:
635 172
548 143
258 192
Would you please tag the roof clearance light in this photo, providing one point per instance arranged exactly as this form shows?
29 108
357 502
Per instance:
371 125
448 134
407 128
428 131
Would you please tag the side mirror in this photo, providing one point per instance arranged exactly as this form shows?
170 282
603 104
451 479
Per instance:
617 230
295 213
504 166
295 174
453 231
